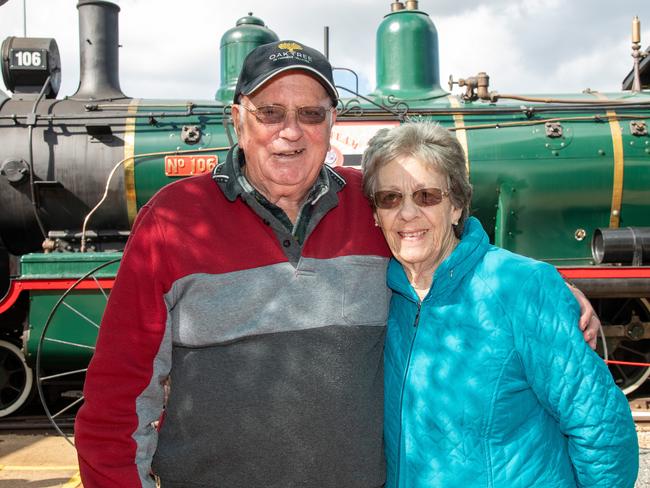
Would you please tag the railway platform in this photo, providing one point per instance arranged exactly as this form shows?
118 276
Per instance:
37 459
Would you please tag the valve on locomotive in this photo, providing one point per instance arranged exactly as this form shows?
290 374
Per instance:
476 87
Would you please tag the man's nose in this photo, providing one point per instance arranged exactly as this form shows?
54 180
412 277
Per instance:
291 128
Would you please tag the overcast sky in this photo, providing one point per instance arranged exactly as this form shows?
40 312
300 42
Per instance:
170 48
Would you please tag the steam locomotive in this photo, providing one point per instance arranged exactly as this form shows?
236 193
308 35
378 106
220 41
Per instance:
562 178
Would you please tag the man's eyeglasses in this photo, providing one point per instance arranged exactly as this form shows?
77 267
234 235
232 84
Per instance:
425 197
275 114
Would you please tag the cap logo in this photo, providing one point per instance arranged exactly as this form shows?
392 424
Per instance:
291 51
290 46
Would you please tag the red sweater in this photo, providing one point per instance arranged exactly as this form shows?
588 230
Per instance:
276 370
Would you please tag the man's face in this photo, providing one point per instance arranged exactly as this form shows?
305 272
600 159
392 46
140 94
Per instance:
283 159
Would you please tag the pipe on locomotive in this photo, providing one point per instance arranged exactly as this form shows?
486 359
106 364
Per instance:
628 245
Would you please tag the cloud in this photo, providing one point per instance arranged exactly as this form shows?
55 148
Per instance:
538 46
526 46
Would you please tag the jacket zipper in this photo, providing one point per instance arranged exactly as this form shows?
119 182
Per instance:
401 400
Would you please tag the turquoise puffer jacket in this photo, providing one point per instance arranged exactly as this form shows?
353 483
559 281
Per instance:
489 383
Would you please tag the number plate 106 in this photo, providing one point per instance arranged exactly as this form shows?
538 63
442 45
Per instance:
27 59
189 165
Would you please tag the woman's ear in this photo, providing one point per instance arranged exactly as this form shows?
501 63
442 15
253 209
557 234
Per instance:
456 214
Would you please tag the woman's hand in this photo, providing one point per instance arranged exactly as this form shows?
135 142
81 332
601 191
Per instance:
589 321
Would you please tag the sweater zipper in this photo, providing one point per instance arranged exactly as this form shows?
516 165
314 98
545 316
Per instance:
417 315
401 400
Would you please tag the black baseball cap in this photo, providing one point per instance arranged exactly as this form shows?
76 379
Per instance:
269 60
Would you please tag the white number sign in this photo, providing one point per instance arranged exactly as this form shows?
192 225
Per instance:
28 59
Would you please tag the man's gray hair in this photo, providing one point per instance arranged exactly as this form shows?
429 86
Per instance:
429 143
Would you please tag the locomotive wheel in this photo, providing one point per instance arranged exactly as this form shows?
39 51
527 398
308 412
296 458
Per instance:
16 379
623 312
60 408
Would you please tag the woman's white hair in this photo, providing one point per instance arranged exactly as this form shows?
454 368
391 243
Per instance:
429 143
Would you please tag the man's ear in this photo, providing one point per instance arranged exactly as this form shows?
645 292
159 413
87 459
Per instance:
236 118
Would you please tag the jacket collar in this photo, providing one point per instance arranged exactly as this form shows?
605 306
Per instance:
470 250
230 178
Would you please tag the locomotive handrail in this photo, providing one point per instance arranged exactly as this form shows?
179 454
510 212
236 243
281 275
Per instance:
188 105
587 118
354 73
31 121
489 110
400 115
86 116
577 101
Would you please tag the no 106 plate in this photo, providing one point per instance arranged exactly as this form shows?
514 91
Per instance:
27 59
190 164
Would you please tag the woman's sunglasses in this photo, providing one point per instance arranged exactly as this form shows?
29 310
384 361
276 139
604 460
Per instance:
275 114
425 197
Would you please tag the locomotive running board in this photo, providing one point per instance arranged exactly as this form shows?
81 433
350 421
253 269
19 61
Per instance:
610 282
18 286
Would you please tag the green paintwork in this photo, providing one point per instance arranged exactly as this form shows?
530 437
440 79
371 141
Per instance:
407 57
534 193
66 265
165 135
75 322
236 43
66 325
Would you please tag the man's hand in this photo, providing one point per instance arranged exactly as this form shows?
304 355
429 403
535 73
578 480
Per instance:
589 321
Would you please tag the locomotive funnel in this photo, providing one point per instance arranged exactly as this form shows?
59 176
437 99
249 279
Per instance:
98 50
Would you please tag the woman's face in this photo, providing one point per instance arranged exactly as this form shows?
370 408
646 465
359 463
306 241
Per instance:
419 237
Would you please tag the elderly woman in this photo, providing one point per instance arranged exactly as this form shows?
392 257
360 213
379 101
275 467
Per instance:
488 382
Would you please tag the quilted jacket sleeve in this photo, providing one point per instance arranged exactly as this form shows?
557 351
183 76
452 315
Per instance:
574 384
123 392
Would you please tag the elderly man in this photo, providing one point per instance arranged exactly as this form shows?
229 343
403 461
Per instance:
269 326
